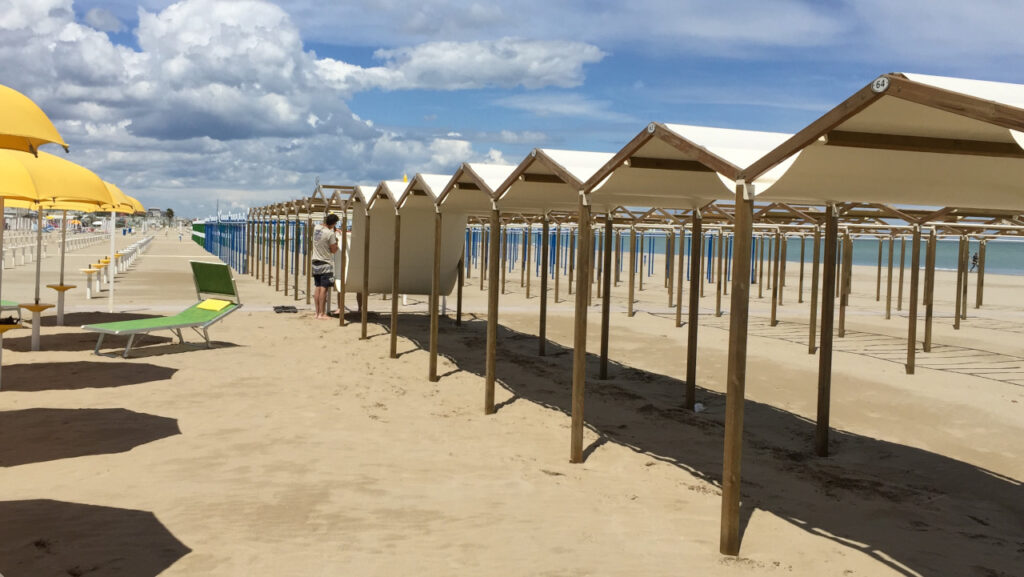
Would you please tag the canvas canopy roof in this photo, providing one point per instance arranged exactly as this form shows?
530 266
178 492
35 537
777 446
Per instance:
907 139
427 186
549 179
472 187
678 166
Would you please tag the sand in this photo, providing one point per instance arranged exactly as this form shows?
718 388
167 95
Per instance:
295 448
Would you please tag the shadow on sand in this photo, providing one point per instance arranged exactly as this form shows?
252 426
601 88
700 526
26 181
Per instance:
93 318
919 513
38 435
43 537
81 375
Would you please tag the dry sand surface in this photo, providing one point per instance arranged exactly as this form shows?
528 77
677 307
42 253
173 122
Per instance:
295 448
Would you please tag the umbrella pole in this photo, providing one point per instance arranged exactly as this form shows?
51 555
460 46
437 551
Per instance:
112 267
3 227
63 246
39 248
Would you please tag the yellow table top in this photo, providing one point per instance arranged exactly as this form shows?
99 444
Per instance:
36 308
89 270
61 287
5 328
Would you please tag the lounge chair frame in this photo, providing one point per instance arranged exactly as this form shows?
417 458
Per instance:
201 328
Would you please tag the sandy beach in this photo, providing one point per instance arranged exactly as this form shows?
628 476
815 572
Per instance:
295 448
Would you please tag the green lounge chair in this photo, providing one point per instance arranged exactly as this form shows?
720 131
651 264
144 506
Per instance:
10 306
214 287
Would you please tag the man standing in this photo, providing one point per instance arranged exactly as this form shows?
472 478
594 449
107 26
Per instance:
325 244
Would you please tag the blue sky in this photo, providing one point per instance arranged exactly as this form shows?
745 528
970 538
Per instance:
249 101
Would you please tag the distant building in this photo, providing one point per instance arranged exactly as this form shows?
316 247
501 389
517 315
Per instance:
154 213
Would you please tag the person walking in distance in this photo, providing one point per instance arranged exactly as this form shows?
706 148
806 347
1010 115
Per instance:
974 262
325 244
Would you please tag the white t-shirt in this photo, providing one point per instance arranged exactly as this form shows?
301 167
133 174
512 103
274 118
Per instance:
323 239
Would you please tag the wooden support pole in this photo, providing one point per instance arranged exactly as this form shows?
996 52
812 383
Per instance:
670 247
558 260
364 301
903 260
482 258
729 541
878 282
800 284
700 255
458 292
815 268
697 222
599 260
960 261
524 258
492 313
571 256
827 317
641 254
287 246
980 291
618 256
309 255
435 299
343 274
929 289
591 251
760 268
544 261
504 257
249 221
528 260
782 270
775 281
395 262
846 271
607 297
632 269
915 266
719 280
679 277
888 279
579 347
297 248
277 252
966 275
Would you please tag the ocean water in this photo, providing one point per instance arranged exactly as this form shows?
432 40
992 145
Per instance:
1001 256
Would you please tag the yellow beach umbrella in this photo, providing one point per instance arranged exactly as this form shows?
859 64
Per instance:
136 205
23 125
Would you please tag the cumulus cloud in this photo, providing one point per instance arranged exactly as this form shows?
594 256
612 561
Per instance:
223 94
504 63
103 20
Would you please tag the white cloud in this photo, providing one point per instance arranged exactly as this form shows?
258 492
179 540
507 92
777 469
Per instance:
504 63
103 20
220 95
568 104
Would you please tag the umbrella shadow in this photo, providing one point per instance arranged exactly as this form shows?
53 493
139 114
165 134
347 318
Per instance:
74 342
38 435
93 318
81 375
918 512
45 537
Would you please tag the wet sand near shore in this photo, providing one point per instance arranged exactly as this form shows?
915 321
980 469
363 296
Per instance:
295 448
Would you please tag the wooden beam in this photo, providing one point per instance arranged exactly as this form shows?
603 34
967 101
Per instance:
827 317
435 296
927 144
695 284
903 260
929 290
720 277
775 282
606 298
544 261
395 261
492 312
888 281
915 269
365 301
800 284
632 269
729 539
815 268
679 277
667 164
579 348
